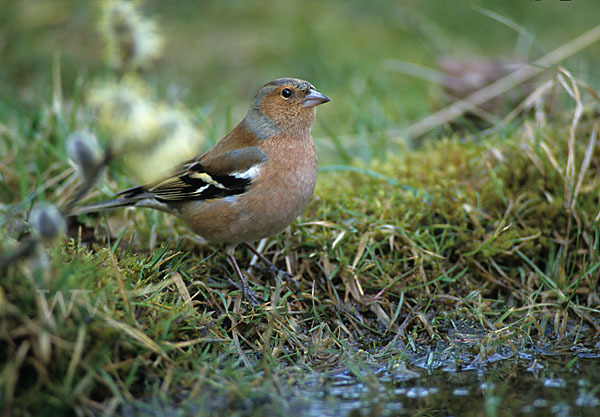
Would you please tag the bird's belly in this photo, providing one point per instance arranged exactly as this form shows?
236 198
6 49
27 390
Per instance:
263 212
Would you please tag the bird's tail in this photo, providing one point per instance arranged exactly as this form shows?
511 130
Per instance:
135 197
103 206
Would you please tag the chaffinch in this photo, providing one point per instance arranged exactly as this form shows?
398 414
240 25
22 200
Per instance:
252 184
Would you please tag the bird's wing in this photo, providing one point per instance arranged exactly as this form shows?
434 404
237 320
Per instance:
209 176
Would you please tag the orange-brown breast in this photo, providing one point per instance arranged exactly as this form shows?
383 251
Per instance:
278 195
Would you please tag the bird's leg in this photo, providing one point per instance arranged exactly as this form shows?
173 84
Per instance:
277 273
248 294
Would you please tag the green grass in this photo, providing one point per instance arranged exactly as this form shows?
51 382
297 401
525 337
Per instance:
486 237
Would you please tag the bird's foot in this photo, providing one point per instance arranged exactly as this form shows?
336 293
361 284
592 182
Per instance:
249 295
243 285
277 273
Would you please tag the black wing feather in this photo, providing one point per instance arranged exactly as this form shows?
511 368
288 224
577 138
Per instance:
191 186
217 178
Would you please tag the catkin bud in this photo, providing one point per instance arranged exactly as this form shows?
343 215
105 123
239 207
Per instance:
133 41
47 222
83 149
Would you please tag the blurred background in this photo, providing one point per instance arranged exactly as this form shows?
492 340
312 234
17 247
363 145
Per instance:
218 53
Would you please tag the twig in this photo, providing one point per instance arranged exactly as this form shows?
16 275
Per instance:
500 86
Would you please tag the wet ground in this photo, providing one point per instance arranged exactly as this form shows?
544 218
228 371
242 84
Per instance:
548 380
535 381
555 387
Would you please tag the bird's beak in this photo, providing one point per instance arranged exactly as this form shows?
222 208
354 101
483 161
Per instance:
314 98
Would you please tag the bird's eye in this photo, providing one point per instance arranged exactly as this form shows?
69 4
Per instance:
286 93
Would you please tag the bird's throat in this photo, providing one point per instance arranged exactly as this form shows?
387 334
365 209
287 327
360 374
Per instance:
260 125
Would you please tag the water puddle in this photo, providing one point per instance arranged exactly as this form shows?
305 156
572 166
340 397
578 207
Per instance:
535 381
565 385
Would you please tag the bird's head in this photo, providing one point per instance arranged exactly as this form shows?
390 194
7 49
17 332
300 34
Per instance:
285 104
